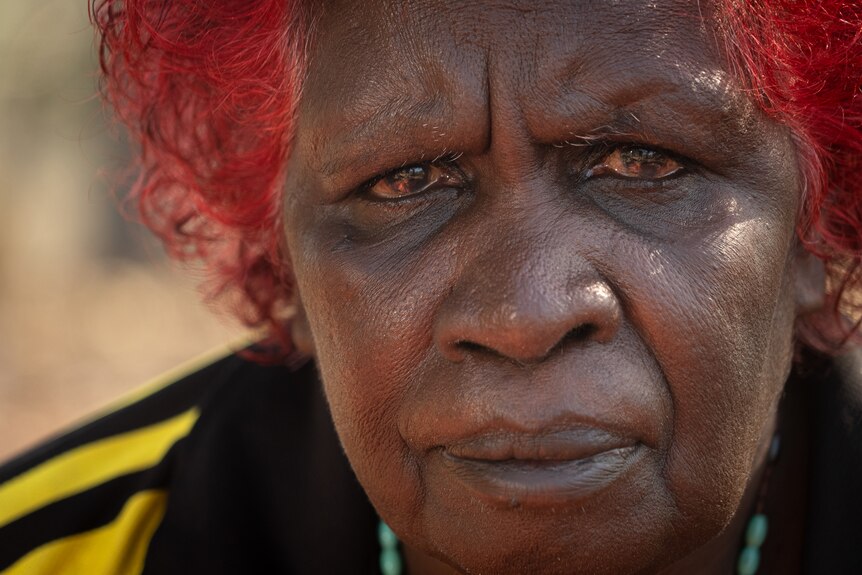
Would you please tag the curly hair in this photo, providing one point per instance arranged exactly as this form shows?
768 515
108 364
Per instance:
208 92
802 63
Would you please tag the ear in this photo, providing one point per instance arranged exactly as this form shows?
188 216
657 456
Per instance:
300 330
810 278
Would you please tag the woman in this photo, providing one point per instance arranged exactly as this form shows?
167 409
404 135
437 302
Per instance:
562 268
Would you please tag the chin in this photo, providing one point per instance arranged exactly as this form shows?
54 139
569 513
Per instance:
644 535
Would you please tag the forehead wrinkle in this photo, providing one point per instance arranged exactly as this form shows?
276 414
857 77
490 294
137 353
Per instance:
370 128
574 71
372 117
571 97
409 91
582 87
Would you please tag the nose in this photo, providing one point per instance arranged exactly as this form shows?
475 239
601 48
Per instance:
526 311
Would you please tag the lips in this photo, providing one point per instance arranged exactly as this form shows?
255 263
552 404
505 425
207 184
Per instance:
546 467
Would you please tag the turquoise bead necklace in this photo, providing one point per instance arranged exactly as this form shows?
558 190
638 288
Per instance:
390 557
747 564
758 525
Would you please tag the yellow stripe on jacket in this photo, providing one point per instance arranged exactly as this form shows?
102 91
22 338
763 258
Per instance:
90 465
118 548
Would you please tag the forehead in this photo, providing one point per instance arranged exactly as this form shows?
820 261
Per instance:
523 39
385 67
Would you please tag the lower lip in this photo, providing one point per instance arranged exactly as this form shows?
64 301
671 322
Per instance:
516 482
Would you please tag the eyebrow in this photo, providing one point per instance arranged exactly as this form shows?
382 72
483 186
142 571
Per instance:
396 129
372 134
680 107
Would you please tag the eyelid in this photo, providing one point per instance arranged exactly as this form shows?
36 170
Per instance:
599 151
447 162
602 150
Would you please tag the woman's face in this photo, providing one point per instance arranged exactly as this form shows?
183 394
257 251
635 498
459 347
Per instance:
554 332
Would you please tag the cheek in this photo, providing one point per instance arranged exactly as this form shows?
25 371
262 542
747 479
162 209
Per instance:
371 319
720 323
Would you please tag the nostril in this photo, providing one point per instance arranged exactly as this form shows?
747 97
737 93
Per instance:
577 336
470 346
580 334
466 347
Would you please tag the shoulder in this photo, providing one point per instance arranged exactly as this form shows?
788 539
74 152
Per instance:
835 467
98 493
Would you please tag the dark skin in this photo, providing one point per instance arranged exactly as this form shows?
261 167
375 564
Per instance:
545 261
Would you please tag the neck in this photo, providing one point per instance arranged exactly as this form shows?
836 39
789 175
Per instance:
720 554
781 552
421 564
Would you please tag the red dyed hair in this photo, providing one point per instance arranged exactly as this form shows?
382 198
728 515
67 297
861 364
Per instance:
802 62
208 91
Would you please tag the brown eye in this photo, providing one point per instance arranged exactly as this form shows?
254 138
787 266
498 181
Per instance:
637 163
413 180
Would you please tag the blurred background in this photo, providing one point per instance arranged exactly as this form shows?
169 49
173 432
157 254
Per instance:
89 307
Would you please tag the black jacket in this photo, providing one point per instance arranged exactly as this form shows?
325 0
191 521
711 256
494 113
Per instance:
249 477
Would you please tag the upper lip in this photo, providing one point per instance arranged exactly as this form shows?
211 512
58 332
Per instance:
481 420
548 444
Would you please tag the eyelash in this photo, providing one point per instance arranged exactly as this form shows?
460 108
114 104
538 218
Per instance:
600 151
447 160
604 150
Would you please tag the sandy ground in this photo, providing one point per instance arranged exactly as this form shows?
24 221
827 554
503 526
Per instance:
70 352
89 308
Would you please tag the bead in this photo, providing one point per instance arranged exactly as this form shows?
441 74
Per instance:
749 561
390 562
386 536
774 447
755 534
